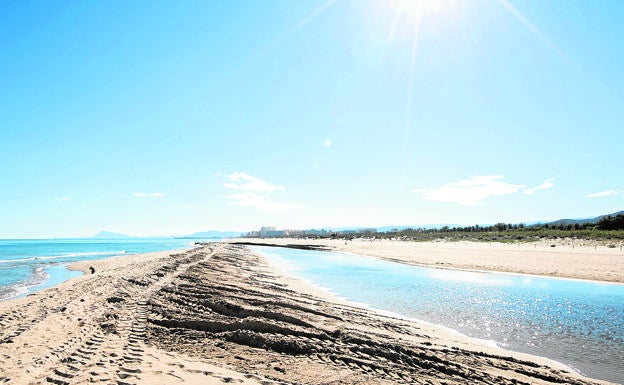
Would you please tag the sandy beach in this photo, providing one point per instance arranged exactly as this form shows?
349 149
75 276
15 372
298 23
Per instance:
567 259
221 314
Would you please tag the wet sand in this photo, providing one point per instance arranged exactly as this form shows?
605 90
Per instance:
220 314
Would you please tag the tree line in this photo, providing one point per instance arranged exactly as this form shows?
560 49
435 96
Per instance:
607 228
611 223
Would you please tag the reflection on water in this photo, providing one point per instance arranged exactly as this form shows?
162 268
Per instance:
576 322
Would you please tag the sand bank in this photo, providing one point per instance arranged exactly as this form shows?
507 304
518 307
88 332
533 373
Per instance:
568 259
221 314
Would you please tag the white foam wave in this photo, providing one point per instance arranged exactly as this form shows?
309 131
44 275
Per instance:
69 255
38 276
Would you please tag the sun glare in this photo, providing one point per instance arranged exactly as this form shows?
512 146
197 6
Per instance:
417 9
410 13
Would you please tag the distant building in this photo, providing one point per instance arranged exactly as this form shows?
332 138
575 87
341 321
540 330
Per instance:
315 232
270 231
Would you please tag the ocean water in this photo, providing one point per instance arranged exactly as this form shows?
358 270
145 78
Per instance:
27 265
578 323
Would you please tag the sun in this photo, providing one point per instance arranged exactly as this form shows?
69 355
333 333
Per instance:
411 13
417 9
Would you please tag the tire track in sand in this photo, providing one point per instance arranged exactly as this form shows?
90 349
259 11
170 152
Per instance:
114 353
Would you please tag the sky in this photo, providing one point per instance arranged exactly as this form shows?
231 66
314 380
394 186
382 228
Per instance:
169 117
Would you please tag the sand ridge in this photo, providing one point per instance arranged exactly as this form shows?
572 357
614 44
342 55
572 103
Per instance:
93 330
220 314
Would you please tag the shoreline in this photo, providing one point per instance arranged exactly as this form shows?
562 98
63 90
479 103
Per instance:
84 266
448 333
533 259
25 289
485 271
302 284
220 313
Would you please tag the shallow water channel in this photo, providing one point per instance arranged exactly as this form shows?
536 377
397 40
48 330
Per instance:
579 323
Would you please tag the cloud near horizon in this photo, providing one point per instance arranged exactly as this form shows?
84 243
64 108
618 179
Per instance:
148 195
254 193
603 194
548 183
472 191
243 181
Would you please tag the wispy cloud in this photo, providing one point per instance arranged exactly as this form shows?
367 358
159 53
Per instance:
471 192
548 183
260 202
603 194
148 195
246 182
255 193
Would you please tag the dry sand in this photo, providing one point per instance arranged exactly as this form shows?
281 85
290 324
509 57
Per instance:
220 314
568 259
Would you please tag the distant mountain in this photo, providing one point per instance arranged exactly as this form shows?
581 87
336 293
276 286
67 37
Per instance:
213 234
580 221
110 235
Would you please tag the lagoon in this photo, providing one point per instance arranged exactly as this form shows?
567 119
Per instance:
579 323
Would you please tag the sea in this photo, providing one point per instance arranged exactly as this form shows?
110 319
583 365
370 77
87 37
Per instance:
578 323
28 265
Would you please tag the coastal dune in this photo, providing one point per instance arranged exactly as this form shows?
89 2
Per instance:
220 314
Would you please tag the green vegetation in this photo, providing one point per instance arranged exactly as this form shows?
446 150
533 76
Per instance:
609 228
510 233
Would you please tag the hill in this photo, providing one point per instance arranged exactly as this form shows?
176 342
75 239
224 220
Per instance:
110 235
582 220
212 235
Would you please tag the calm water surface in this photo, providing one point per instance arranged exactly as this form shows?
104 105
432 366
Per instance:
578 323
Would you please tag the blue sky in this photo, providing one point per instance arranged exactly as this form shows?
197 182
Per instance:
166 117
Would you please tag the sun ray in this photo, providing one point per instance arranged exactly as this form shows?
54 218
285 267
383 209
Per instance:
275 43
280 39
413 12
395 23
410 94
531 27
417 9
